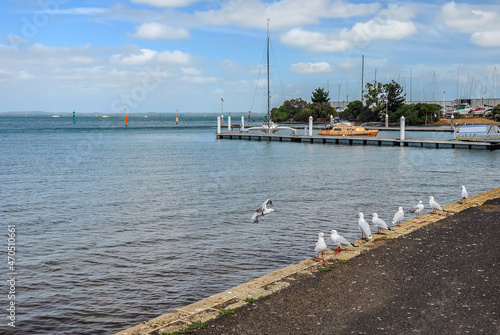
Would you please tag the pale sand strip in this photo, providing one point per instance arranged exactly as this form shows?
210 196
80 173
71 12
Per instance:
209 308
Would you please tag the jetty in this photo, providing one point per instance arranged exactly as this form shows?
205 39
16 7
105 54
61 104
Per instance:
350 140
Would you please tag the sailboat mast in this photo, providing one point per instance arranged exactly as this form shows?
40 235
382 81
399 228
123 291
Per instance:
268 89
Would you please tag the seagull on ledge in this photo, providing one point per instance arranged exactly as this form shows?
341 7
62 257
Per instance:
417 209
434 205
320 247
398 217
379 223
339 241
363 226
262 210
465 194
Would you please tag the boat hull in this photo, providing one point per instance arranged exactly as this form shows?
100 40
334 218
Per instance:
344 130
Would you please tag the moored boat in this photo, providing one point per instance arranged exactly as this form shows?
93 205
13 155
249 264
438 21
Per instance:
347 129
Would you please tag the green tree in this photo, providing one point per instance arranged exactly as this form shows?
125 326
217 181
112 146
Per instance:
414 114
289 109
353 110
320 95
394 93
494 114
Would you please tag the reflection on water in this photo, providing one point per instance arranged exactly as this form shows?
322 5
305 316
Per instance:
117 226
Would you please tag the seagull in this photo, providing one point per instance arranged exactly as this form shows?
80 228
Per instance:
363 226
398 217
417 209
339 241
434 205
465 194
320 247
379 223
262 210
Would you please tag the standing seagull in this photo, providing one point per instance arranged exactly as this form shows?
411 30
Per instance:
465 194
417 209
434 205
262 210
363 226
398 217
339 241
320 247
379 223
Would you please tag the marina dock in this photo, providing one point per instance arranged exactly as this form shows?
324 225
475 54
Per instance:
373 141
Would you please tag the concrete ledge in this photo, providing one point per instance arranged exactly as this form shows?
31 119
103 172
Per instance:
209 308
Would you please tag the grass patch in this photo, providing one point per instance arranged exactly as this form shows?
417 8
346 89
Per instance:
189 329
324 269
252 300
227 311
343 261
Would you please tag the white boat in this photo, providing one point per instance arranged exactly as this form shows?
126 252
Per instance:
463 109
269 126
55 115
481 133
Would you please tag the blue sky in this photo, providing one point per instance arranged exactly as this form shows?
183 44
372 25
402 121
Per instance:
167 55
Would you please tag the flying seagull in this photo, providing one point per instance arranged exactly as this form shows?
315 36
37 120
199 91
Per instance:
320 247
262 210
339 241
379 223
434 205
417 209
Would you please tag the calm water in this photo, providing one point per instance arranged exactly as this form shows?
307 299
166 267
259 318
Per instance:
119 225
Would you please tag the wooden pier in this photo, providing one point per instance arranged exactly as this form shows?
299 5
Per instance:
373 141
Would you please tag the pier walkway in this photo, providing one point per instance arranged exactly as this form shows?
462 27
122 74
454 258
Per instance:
436 274
351 140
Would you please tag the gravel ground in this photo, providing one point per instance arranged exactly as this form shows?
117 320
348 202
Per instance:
440 279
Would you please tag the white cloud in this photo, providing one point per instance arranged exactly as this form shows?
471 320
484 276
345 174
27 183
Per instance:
487 38
283 14
199 79
174 57
155 30
166 3
319 67
466 18
378 28
191 71
23 75
315 41
482 23
229 65
147 56
143 57
79 11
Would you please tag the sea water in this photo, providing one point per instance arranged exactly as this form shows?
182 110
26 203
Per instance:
117 225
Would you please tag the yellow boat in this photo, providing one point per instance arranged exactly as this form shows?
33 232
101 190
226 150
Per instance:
347 129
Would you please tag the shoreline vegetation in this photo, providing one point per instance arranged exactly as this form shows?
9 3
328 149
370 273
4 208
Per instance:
379 100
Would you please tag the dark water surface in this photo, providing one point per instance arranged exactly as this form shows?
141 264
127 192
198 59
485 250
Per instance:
115 225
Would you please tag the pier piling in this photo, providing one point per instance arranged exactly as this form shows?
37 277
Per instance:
402 129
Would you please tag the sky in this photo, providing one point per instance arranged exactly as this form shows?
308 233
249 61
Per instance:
190 56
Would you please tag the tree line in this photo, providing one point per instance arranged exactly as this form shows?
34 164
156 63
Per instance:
379 99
